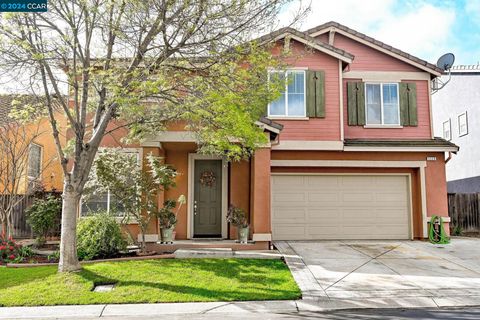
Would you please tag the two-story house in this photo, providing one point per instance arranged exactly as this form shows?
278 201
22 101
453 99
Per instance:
456 117
352 152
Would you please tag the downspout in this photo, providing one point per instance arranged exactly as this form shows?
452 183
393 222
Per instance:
449 157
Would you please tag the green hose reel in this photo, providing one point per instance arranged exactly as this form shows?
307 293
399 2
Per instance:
437 234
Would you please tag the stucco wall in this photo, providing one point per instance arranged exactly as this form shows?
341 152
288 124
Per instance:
461 94
327 128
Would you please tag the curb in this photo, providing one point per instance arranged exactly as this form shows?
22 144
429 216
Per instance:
246 307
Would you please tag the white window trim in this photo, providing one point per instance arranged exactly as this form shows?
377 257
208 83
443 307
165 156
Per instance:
287 116
460 134
449 122
382 124
30 178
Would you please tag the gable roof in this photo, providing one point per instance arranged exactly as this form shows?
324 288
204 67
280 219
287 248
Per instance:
376 44
306 39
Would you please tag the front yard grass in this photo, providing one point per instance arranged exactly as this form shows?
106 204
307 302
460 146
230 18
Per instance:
150 281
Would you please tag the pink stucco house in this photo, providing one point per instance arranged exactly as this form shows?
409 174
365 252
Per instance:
352 153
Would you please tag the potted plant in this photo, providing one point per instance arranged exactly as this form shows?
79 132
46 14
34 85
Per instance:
167 218
238 218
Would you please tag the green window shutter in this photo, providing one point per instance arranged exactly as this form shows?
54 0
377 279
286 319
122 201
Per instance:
315 94
408 104
356 103
320 94
412 104
310 93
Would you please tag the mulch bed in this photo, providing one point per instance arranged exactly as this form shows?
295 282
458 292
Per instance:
45 262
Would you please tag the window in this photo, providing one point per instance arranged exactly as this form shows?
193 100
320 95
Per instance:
463 124
292 100
447 130
106 201
381 100
34 167
101 202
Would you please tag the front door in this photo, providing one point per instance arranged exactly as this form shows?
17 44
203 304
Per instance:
207 205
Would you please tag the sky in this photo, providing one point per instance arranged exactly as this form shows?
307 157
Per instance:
424 28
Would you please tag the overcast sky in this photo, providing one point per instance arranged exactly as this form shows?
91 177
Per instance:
425 28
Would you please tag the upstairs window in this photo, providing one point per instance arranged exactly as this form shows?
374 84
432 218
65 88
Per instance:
463 124
447 130
382 104
292 100
34 167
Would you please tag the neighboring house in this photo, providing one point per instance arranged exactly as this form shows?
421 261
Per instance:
41 166
457 119
352 152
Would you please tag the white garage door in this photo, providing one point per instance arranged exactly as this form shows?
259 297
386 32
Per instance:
339 207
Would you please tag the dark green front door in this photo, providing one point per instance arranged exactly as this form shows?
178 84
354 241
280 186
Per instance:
207 208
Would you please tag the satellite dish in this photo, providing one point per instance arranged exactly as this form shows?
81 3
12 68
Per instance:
446 61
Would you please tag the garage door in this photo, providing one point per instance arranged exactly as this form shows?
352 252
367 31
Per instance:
339 207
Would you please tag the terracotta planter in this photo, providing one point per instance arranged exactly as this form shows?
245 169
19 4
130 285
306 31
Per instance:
167 235
243 233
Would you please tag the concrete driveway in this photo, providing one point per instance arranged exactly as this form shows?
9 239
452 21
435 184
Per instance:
387 272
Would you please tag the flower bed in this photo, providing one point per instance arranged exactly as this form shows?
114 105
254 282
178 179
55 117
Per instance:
9 250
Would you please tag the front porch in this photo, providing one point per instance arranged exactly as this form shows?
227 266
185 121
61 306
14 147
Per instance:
207 244
201 222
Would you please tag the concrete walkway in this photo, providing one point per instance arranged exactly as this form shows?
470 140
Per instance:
384 274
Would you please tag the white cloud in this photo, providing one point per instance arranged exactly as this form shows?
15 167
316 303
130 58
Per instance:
419 28
472 8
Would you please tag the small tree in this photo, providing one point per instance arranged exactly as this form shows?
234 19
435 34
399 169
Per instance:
136 190
43 215
17 133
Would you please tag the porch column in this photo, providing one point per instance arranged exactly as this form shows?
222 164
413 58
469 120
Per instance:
260 196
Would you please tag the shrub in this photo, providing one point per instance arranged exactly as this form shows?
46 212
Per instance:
54 257
25 252
42 216
166 217
99 236
8 250
237 217
457 230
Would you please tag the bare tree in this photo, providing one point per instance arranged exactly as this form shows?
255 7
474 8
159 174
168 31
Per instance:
119 53
16 139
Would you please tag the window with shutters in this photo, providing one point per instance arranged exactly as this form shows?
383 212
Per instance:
34 167
292 99
382 104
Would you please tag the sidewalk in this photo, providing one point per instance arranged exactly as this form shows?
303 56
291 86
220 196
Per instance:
244 307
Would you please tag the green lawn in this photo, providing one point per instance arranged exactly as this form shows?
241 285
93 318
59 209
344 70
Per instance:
163 280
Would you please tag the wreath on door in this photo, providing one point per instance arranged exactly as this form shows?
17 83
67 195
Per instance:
207 179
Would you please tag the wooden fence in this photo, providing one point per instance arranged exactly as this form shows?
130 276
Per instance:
464 211
21 229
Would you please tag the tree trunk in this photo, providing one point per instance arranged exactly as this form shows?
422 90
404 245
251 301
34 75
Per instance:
143 246
4 228
68 243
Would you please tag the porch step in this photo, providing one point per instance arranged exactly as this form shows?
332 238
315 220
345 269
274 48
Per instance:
195 245
204 253
222 253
